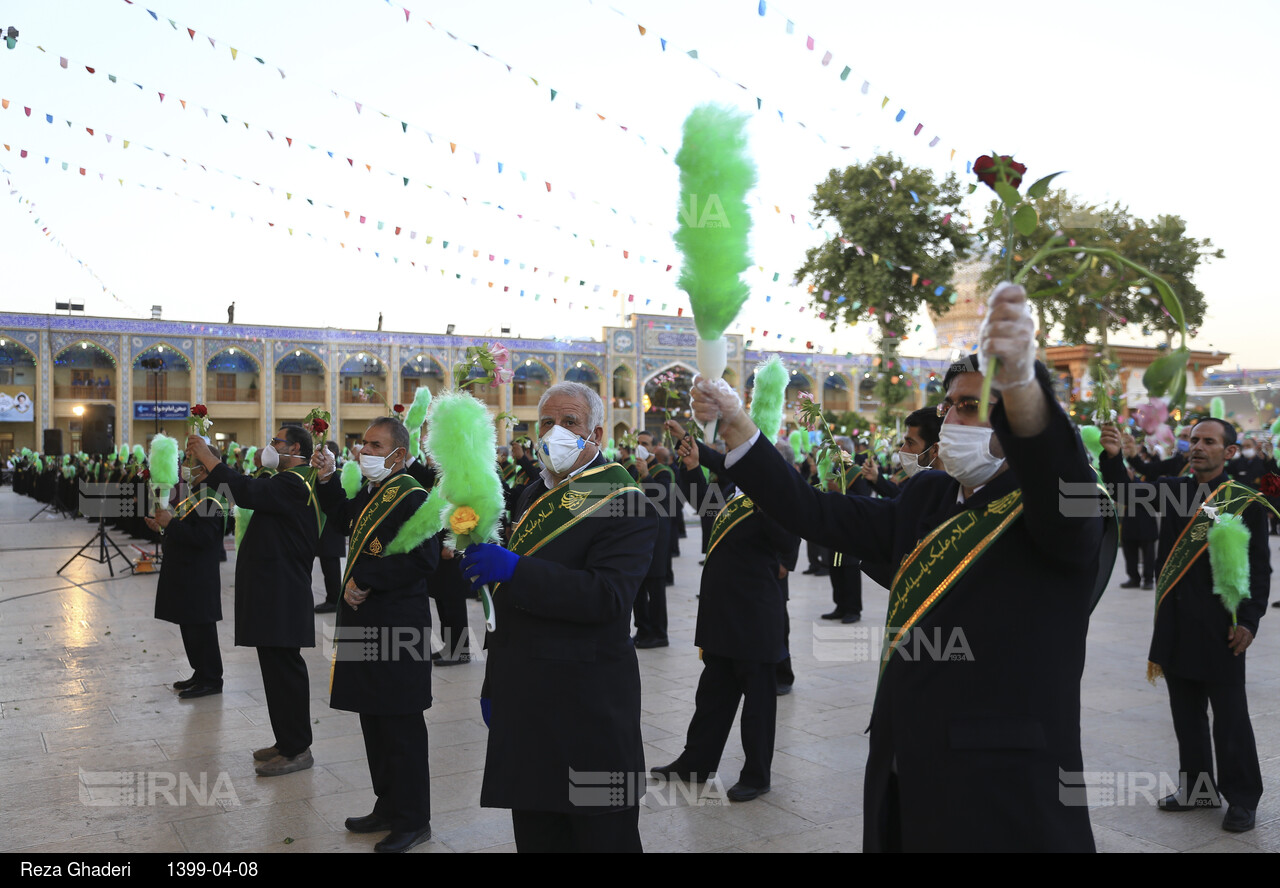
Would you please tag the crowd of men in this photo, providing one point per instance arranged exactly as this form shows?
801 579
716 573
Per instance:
962 519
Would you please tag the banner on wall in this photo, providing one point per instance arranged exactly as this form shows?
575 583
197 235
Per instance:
161 409
16 406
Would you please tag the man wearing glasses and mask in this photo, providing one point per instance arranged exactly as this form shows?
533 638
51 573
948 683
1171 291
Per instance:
273 584
977 710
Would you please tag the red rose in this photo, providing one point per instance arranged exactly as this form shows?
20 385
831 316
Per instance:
319 426
399 408
985 168
1269 485
199 410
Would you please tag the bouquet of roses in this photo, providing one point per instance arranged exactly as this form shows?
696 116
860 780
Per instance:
198 422
317 423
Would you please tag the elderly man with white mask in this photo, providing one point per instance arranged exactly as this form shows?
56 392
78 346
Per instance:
975 728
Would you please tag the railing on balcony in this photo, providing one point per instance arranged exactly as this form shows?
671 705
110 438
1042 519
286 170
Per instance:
349 397
170 393
234 394
301 396
85 392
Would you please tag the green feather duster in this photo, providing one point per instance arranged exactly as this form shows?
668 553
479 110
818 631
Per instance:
799 442
1275 429
768 397
610 450
39 464
1229 560
351 478
1217 408
242 516
824 470
417 415
714 222
461 440
139 454
248 458
231 461
164 465
1092 437
421 526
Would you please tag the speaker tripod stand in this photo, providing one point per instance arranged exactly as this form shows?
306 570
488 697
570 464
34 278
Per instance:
104 555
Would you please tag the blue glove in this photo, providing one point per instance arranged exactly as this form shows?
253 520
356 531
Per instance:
486 563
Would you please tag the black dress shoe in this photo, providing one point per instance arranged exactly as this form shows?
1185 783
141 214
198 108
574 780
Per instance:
834 615
370 823
851 618
1130 584
809 570
740 792
326 607
646 643
442 661
201 690
783 690
184 684
1238 819
1148 586
1174 802
399 842
822 572
678 770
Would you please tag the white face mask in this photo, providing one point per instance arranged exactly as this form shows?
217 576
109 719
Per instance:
560 449
270 457
911 462
641 452
896 458
186 475
374 468
1248 453
966 453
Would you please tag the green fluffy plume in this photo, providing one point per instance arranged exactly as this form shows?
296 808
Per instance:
1229 560
768 397
164 465
423 524
139 454
461 440
799 442
1217 408
39 464
242 523
416 416
715 175
1275 429
351 478
1092 437
824 470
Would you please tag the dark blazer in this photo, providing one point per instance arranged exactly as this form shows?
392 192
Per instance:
398 680
189 589
1134 500
273 566
1190 635
1150 470
658 487
996 725
742 603
562 675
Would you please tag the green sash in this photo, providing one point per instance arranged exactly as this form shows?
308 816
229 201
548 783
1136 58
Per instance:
263 472
1194 539
661 471
308 476
566 504
191 503
932 569
384 501
734 512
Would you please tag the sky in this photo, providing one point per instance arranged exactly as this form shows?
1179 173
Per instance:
1153 104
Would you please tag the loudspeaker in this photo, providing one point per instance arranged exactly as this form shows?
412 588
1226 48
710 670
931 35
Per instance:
53 442
98 437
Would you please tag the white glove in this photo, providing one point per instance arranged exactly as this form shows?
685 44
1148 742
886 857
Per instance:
714 399
1008 332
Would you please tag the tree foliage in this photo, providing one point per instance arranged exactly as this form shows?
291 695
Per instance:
1083 296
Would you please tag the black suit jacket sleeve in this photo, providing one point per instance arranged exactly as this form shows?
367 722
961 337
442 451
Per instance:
281 494
1044 463
1251 609
198 531
885 487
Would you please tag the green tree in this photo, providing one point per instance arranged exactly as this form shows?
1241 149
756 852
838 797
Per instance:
861 208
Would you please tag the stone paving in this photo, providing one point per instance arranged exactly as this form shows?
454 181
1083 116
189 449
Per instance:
84 687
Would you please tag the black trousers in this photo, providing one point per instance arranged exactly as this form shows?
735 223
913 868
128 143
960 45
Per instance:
1233 746
722 684
650 608
331 569
450 592
1145 548
846 584
545 832
819 556
288 692
396 746
200 641
785 674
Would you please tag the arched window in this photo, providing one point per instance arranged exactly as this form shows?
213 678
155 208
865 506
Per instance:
584 373
231 375
531 379
362 379
161 373
835 393
85 371
623 386
300 378
419 370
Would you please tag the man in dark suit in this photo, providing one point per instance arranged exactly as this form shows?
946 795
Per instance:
385 597
332 546
656 479
565 752
974 723
273 585
1139 528
1197 644
189 590
740 631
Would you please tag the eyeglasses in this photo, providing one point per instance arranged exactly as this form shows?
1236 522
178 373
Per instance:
275 441
966 407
